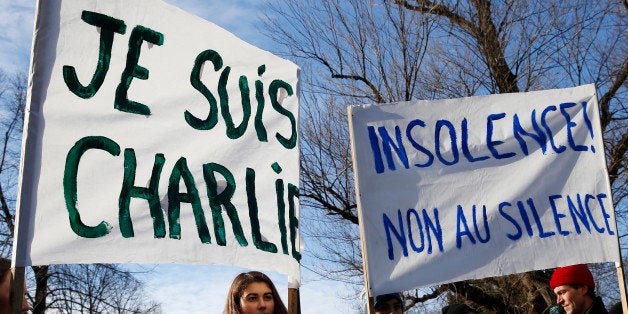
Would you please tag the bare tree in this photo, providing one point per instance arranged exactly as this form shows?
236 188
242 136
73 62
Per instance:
13 97
378 51
531 45
326 166
94 288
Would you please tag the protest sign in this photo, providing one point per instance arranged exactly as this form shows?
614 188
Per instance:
154 136
469 188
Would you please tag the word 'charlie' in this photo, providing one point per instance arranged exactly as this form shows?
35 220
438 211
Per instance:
218 197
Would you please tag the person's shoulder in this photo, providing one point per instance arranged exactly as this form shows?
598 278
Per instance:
616 309
597 307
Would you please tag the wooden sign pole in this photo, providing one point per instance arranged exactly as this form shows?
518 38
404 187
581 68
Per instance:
622 285
369 299
294 302
17 289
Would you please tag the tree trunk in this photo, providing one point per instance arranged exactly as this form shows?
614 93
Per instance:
41 278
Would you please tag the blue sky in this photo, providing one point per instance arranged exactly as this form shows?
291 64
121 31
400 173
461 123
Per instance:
185 288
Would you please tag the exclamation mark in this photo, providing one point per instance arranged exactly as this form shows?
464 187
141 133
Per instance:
588 122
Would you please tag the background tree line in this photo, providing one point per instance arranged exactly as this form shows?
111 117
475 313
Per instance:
382 51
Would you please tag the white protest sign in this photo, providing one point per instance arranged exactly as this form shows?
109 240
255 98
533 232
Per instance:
154 136
469 188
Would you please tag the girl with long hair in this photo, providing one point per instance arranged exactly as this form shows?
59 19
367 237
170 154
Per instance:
253 292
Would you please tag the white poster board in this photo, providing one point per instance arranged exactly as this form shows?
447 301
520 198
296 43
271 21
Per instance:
469 188
154 136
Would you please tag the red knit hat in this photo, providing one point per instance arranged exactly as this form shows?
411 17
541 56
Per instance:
575 275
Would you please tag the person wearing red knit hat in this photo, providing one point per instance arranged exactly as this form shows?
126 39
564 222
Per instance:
575 290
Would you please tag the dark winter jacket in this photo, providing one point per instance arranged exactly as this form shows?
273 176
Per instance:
597 307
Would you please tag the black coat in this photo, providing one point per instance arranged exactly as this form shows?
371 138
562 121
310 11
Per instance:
597 307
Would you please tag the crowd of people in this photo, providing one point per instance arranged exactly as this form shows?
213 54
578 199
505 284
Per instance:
254 293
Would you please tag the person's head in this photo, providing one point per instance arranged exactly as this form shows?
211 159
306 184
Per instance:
391 303
5 288
458 309
574 288
253 292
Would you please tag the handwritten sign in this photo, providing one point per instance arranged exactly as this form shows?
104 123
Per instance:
157 137
476 187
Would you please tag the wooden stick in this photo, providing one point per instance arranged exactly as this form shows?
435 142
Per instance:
17 289
369 306
622 285
619 265
294 303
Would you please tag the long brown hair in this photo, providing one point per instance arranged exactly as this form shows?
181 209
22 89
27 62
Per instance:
240 283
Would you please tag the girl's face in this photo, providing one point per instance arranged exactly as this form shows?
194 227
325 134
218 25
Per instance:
257 298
